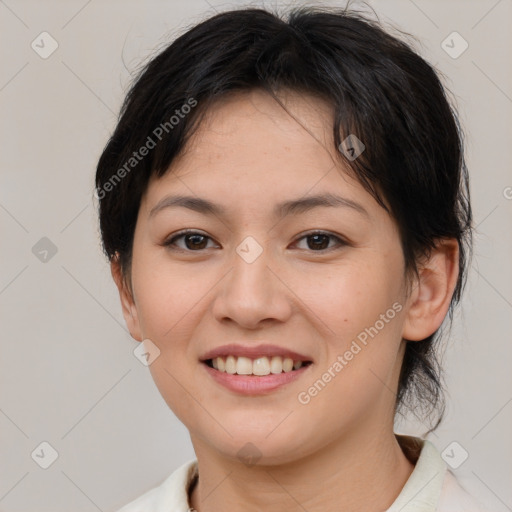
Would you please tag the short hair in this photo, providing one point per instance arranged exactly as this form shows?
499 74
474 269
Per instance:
379 89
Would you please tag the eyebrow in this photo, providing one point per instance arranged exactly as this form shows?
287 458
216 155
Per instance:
294 206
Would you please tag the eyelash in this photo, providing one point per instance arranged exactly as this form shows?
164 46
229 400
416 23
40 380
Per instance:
170 242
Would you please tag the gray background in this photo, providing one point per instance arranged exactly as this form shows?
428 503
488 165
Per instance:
68 373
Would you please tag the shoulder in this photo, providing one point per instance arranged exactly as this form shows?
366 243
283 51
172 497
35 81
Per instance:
171 494
454 498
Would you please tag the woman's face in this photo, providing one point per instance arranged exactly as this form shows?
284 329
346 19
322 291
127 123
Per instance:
253 273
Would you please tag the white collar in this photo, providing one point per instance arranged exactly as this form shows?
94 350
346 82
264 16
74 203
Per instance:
422 490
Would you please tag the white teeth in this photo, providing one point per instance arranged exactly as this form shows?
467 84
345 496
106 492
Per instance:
287 364
276 364
260 366
243 366
230 364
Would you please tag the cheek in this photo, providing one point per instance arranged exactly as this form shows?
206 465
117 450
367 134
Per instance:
357 377
361 312
351 297
169 305
167 296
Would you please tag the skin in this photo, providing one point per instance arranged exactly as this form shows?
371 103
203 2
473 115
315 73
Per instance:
338 452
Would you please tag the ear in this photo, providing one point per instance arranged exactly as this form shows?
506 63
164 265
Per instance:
127 302
430 299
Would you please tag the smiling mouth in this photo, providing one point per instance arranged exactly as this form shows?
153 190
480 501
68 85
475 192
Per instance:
258 367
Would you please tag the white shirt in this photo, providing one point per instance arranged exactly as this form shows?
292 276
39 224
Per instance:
431 487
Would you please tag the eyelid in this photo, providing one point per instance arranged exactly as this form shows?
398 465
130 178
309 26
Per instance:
169 241
341 241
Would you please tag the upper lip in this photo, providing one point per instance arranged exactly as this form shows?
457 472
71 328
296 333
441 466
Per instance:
253 352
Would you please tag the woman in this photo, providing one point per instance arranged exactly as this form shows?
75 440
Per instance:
285 207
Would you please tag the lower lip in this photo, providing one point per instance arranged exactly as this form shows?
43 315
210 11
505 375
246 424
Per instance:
254 385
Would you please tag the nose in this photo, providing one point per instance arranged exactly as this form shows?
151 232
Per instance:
253 293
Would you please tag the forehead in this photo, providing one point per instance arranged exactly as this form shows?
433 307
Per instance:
245 118
250 150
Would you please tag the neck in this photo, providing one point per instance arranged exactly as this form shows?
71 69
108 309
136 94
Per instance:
350 474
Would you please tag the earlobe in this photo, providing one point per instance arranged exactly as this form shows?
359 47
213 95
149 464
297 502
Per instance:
432 293
126 296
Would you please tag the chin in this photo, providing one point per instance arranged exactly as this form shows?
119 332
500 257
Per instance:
259 445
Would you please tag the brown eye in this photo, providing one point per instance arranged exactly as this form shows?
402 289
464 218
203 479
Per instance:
194 241
319 241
